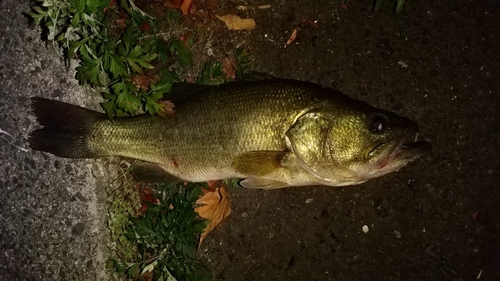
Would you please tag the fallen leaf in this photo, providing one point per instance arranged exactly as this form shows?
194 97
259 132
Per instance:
147 197
293 36
402 64
211 5
166 108
141 81
174 4
248 7
474 216
148 276
228 67
121 23
186 6
309 22
234 22
159 10
213 206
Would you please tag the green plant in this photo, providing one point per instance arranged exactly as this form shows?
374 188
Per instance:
124 203
243 65
110 55
166 237
398 4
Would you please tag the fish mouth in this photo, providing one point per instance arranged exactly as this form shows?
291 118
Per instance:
407 149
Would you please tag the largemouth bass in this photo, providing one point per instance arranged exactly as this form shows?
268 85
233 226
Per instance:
272 134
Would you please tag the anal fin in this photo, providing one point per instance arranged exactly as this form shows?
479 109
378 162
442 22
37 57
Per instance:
260 183
151 173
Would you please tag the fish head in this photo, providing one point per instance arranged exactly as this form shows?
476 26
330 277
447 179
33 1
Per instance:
366 142
347 145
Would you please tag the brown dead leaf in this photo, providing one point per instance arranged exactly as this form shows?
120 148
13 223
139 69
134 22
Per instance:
148 276
293 36
215 207
174 4
166 108
121 23
211 5
234 22
159 10
251 7
228 67
186 6
141 81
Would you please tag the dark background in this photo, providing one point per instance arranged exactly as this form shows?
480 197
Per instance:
438 218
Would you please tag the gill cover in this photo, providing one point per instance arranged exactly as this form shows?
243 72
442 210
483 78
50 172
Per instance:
308 138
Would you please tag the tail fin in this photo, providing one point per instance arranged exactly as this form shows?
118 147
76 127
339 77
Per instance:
65 129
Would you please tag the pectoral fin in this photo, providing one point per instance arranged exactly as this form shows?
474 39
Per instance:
258 163
260 183
151 173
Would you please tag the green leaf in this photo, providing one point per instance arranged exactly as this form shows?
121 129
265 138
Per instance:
125 99
95 5
138 60
75 20
173 17
212 74
109 107
152 106
149 267
161 48
243 65
89 71
183 54
117 67
122 266
160 88
129 38
399 5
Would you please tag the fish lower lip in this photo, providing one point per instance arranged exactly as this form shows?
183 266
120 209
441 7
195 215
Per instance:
408 148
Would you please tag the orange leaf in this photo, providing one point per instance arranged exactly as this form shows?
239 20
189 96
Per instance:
121 23
234 22
186 6
166 108
215 207
293 36
141 81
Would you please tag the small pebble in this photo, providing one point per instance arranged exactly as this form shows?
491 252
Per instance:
309 200
398 235
365 228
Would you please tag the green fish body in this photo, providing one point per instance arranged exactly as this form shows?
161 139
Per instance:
272 133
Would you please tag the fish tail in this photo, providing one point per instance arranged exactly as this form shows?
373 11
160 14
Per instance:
66 129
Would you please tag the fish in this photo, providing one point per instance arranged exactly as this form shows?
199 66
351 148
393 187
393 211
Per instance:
271 134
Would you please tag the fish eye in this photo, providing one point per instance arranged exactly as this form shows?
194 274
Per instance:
378 124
